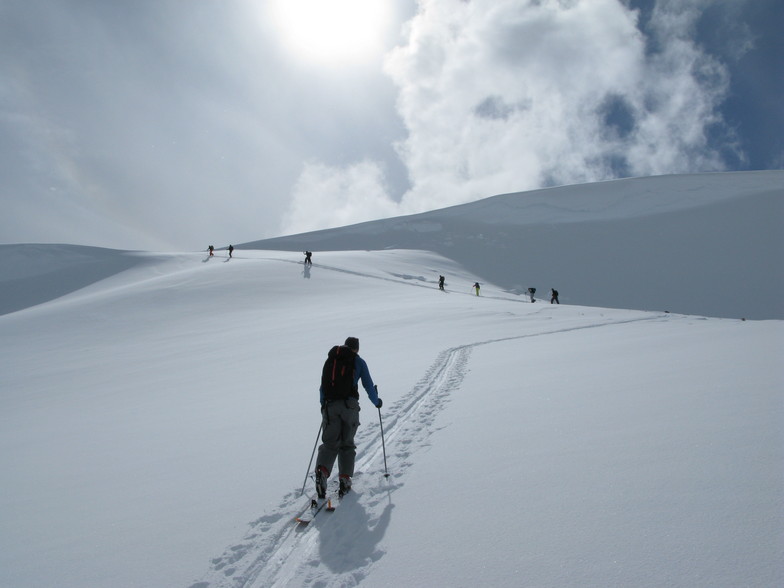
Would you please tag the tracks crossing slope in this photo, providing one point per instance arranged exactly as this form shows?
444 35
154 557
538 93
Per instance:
277 553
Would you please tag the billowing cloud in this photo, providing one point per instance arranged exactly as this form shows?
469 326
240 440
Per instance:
506 95
326 196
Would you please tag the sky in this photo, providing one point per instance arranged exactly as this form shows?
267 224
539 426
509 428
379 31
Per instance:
174 124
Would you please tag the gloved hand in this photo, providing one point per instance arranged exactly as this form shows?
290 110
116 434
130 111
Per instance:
379 404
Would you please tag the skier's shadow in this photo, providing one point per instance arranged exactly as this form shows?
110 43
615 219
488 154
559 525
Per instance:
347 541
306 271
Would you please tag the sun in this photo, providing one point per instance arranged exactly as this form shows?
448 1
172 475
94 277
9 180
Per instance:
332 32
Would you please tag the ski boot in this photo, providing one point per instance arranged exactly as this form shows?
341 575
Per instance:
321 481
345 485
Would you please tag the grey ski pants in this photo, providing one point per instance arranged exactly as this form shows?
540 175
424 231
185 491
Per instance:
340 420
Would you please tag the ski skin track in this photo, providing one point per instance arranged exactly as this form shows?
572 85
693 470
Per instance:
278 547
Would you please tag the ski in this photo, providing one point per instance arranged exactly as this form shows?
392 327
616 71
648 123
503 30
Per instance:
316 505
310 511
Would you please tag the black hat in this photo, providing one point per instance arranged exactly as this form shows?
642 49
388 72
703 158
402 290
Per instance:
352 343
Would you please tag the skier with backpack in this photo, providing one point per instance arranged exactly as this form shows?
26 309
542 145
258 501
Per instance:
531 292
339 397
554 296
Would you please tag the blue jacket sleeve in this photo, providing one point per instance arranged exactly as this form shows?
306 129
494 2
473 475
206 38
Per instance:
361 372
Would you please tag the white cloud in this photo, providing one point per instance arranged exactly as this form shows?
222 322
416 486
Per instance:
507 95
326 196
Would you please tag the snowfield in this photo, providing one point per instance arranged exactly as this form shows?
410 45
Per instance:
709 244
158 410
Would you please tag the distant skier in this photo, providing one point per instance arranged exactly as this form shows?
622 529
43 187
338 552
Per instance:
339 396
554 296
476 287
212 250
531 292
441 283
231 250
308 260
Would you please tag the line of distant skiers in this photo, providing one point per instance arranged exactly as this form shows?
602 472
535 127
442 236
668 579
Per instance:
441 279
230 250
531 291
308 254
553 295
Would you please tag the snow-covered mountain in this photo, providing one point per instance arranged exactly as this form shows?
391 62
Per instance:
158 410
710 244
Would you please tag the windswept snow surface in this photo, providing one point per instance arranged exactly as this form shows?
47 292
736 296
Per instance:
709 244
156 426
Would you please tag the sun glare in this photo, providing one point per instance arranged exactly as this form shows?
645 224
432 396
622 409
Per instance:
332 31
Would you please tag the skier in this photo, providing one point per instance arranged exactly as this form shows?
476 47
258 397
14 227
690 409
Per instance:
476 287
441 283
340 414
231 250
531 292
308 255
212 250
554 296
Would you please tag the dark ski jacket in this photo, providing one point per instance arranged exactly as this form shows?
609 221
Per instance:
361 372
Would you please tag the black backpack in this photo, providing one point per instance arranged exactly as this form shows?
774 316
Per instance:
337 376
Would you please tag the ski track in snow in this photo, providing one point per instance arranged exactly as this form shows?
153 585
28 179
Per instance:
338 549
400 279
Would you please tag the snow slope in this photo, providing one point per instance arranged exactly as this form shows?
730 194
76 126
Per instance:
158 411
710 244
148 418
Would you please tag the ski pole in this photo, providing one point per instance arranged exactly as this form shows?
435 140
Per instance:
311 459
383 445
